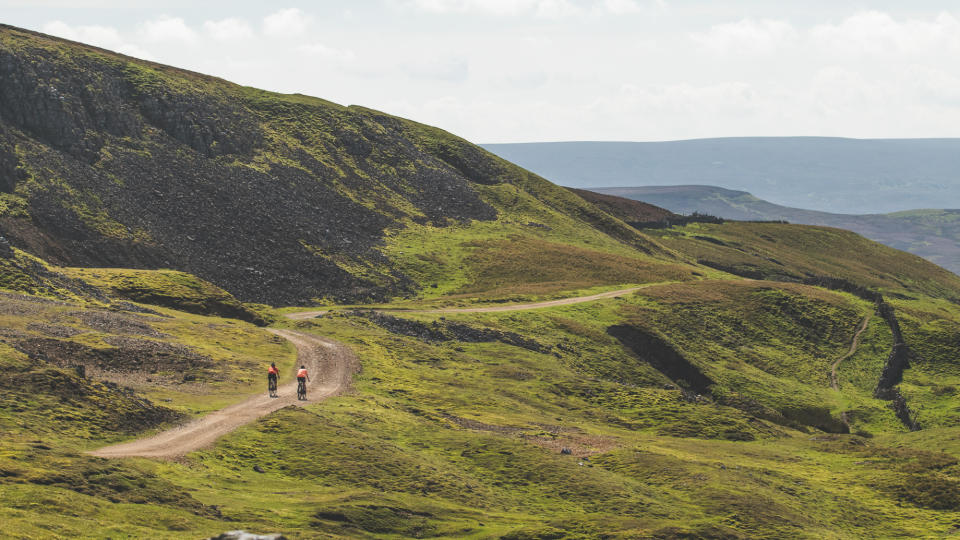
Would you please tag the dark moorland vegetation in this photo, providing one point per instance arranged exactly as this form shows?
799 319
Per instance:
699 404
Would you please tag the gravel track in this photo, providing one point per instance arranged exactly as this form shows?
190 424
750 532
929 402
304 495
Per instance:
330 363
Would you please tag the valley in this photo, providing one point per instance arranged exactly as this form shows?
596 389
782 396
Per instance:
493 355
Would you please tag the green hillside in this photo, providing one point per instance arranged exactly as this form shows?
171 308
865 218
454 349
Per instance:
282 199
931 234
496 398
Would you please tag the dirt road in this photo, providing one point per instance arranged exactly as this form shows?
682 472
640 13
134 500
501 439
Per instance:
834 381
331 366
299 315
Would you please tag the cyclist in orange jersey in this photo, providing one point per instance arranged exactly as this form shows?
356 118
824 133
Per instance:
302 379
272 374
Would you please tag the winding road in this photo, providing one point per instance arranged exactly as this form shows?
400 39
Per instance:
331 363
300 315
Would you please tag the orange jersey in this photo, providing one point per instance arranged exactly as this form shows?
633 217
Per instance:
301 374
273 371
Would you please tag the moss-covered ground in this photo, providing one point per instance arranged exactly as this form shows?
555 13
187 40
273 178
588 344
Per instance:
450 438
545 423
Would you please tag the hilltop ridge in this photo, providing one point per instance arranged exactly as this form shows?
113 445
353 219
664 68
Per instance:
112 161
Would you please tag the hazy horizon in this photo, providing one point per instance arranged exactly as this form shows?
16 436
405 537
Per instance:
843 175
735 137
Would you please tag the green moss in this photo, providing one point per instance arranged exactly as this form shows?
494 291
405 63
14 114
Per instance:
168 288
13 206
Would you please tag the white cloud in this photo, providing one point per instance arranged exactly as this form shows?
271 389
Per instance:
322 51
439 69
747 37
681 98
228 29
286 23
878 33
168 29
557 8
105 37
538 8
621 7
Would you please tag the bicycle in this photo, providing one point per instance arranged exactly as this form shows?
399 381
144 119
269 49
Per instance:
301 389
272 386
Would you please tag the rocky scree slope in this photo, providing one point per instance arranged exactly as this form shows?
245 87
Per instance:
107 160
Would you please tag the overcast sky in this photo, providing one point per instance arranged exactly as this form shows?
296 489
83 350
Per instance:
550 70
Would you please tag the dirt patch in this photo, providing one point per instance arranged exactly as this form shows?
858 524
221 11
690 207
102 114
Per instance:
54 330
13 333
481 426
127 355
20 306
127 412
117 323
449 331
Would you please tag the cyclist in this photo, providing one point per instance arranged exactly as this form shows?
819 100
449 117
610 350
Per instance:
272 374
302 379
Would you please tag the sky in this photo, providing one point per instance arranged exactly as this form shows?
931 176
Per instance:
554 70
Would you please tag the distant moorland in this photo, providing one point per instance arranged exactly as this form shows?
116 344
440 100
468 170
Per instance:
849 176
931 234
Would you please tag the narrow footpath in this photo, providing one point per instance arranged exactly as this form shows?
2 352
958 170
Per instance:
834 379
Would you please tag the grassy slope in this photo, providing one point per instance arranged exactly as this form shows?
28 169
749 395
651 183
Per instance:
792 252
483 460
169 288
463 439
466 437
539 225
48 414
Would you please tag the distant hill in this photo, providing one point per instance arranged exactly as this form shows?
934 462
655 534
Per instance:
628 209
850 176
931 234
